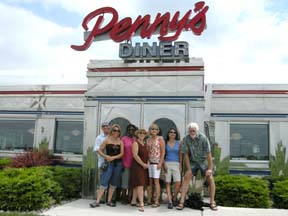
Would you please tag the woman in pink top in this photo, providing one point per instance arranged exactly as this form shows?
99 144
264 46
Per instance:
127 158
156 153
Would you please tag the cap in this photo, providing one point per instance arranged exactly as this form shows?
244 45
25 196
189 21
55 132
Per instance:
104 124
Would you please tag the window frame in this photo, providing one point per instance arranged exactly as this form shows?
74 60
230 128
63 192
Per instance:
268 138
55 136
34 135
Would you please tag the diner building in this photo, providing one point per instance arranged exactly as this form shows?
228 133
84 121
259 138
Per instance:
247 122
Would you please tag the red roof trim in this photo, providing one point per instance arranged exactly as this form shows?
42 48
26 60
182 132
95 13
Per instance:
55 92
250 91
151 69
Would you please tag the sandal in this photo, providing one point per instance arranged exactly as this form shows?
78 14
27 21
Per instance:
141 208
213 206
133 204
147 203
180 206
155 205
95 204
174 201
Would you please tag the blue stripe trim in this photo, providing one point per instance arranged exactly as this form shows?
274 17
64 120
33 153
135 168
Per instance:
148 98
18 112
255 115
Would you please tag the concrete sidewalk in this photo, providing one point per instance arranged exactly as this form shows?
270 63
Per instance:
81 207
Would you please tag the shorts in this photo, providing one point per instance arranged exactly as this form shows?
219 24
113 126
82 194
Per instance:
112 176
196 167
173 170
153 171
125 178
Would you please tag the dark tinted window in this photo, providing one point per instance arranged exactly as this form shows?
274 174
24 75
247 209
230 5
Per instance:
69 137
16 134
249 141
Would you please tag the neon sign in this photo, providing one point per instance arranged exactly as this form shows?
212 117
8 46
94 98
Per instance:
125 28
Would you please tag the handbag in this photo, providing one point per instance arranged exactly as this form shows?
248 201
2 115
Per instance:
104 165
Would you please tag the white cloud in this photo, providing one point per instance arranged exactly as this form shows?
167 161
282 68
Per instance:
243 43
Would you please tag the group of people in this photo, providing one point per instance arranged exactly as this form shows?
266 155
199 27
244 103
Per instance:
136 161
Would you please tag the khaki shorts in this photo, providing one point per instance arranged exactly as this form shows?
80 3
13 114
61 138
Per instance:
173 171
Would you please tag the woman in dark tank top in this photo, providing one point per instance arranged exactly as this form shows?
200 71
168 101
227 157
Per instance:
114 149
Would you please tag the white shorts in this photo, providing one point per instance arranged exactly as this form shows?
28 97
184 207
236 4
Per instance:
153 171
173 170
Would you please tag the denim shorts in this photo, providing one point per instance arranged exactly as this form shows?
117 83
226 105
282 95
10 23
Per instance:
112 175
196 167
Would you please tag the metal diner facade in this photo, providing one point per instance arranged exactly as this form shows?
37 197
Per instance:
246 121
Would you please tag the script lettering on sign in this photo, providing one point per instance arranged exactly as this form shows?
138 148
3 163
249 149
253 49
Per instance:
125 28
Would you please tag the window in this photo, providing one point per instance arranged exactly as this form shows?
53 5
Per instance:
249 141
16 134
69 137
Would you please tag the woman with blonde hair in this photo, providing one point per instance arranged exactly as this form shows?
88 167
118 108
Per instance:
139 173
114 149
156 153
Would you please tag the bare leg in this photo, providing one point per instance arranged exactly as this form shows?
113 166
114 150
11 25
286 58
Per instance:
100 194
185 187
157 189
134 196
140 193
176 190
110 194
168 190
211 188
149 191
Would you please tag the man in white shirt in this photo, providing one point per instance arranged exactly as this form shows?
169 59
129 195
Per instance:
98 141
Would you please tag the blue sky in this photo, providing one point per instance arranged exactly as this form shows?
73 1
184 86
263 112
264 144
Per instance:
245 41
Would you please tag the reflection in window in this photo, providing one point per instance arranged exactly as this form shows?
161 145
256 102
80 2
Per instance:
69 137
165 124
249 141
16 134
122 122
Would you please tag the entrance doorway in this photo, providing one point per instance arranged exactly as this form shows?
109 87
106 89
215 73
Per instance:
165 124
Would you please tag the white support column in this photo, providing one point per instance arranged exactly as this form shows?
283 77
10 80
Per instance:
222 137
45 129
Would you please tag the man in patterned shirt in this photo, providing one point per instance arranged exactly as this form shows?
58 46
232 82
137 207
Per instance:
197 156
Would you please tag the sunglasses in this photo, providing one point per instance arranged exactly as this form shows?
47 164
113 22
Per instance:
153 128
173 132
116 131
142 133
192 130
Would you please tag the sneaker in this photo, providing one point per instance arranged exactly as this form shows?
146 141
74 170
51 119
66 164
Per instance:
111 204
170 206
94 204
